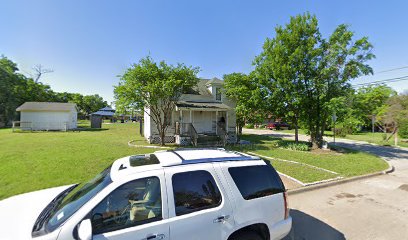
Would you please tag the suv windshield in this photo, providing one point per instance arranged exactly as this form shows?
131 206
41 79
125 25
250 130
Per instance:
67 203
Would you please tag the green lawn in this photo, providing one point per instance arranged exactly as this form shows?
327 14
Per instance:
345 162
36 160
377 137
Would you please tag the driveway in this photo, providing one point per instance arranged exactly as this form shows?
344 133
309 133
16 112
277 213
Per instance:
372 208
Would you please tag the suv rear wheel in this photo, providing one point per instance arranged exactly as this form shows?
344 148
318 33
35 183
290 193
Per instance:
247 236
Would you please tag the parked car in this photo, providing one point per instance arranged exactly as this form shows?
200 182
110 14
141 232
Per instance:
206 193
278 126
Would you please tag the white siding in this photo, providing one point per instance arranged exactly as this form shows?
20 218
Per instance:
43 120
202 121
147 124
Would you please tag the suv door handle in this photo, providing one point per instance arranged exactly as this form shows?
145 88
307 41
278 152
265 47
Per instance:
154 236
221 219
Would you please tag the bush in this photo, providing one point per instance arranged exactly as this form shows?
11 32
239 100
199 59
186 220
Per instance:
384 136
249 125
301 146
341 132
403 130
262 126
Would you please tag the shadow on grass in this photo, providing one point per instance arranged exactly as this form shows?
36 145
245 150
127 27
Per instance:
269 142
246 147
89 129
78 129
259 139
306 227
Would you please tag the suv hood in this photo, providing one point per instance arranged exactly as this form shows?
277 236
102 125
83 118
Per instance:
18 213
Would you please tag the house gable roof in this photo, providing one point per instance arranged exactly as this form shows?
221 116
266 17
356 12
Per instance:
202 86
215 81
47 106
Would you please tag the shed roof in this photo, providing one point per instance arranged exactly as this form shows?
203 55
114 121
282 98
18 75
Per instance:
104 113
107 109
46 106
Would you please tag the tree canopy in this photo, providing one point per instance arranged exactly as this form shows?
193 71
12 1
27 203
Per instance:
303 71
15 89
155 88
248 95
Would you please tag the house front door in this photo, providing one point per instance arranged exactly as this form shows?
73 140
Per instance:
203 121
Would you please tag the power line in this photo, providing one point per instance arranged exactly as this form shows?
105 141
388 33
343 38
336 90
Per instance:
390 70
397 79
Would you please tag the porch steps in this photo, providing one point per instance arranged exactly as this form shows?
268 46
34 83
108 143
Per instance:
208 140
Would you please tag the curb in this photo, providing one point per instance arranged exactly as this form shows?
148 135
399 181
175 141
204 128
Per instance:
330 182
130 144
333 183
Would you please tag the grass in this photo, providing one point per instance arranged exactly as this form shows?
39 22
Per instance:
345 162
35 160
377 137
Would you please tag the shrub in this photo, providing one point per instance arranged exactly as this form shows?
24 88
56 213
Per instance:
384 136
249 125
301 146
341 132
403 130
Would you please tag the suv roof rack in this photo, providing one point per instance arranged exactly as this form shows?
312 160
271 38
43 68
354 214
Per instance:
186 156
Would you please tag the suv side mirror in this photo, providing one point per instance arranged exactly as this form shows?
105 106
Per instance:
85 230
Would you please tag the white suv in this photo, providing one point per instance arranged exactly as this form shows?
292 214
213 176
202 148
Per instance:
202 194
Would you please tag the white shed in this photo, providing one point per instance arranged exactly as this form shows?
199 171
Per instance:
48 116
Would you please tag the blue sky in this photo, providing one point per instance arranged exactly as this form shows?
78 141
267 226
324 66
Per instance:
90 43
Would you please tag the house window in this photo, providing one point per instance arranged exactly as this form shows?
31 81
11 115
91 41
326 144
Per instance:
218 94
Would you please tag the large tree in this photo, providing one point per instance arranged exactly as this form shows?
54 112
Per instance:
15 89
394 115
155 88
249 97
303 71
371 101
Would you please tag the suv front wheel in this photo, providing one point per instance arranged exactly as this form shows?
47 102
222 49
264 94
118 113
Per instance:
247 236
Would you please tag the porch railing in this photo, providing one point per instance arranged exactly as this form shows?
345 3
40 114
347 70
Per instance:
188 129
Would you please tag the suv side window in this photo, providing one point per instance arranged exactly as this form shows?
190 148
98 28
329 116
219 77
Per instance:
194 191
134 203
256 181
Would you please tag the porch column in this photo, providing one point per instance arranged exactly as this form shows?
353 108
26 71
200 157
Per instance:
181 123
226 122
191 117
216 122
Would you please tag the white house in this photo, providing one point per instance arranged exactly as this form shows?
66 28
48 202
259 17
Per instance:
48 116
203 116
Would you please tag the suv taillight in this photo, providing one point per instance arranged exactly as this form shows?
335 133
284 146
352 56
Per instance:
285 197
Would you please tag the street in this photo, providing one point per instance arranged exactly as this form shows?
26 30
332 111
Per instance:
371 208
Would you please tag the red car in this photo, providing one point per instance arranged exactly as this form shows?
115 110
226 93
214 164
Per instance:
278 126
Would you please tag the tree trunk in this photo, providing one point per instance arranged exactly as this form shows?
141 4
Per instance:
162 134
296 132
239 129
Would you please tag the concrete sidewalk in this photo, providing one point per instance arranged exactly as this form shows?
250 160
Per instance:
372 208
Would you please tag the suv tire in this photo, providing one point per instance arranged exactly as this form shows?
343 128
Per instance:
247 236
